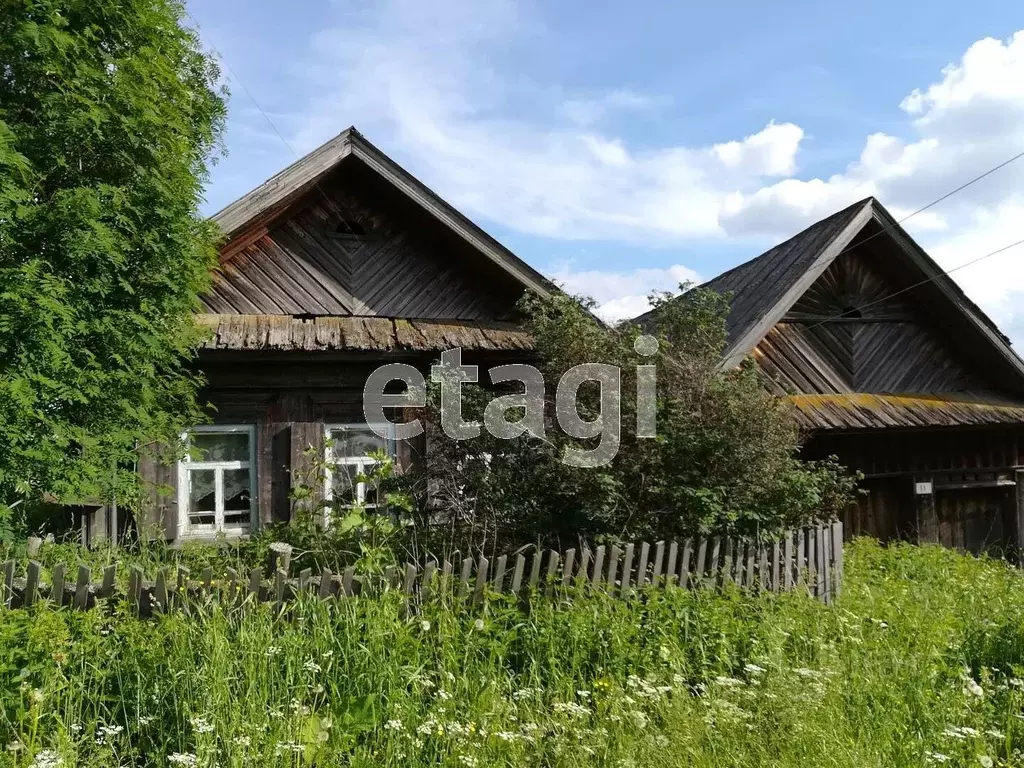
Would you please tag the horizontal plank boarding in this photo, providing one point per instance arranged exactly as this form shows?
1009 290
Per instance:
810 559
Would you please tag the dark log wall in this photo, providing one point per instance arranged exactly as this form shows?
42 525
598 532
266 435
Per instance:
972 472
876 346
290 398
351 249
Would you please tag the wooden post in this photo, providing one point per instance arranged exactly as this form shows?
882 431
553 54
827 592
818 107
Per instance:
34 544
31 583
927 518
57 585
1018 476
279 557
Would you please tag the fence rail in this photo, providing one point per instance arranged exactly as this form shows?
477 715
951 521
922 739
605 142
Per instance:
810 559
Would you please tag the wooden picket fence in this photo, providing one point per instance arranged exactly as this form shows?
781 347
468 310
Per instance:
809 559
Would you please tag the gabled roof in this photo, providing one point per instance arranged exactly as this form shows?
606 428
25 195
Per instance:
275 194
765 288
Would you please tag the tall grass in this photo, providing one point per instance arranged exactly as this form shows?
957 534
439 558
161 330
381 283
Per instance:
920 662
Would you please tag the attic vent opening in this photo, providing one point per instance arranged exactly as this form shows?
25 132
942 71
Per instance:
851 313
347 229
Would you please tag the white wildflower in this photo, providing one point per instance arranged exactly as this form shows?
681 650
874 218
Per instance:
273 650
242 741
936 757
753 669
443 695
728 682
183 758
478 625
312 667
570 708
986 761
47 758
971 688
201 725
394 725
425 625
289 746
995 734
468 760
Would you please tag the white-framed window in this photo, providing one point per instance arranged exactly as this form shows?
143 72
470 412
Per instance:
348 458
217 480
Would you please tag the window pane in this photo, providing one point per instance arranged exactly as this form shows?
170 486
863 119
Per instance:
356 441
201 494
343 484
237 501
220 446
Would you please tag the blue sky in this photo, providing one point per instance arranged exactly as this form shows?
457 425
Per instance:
621 147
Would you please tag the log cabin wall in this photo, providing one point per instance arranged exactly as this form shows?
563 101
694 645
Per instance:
291 398
975 476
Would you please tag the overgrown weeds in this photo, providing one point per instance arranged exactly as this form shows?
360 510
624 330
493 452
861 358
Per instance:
920 662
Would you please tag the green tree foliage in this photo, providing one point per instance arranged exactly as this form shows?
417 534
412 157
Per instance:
725 458
109 114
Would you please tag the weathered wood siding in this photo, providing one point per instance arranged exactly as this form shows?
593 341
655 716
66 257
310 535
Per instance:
352 248
290 398
887 346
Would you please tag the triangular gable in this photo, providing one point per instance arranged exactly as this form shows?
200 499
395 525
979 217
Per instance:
247 219
767 288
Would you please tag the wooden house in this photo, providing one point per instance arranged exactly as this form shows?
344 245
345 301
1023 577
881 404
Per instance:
339 264
891 368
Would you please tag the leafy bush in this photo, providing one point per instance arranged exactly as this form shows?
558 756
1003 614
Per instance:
725 458
109 114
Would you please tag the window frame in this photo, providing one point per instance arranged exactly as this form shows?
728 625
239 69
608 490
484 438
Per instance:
187 529
358 461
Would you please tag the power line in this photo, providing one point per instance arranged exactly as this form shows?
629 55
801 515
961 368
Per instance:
922 282
235 78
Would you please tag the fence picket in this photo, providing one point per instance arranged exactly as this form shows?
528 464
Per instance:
581 569
538 556
670 566
467 569
812 565
776 557
305 576
751 555
57 585
255 584
613 566
160 589
598 567
107 587
627 573
348 581
641 568
837 558
659 559
517 574
429 572
481 580
822 561
554 559
570 559
7 597
82 588
31 584
685 580
326 579
799 558
726 570
499 573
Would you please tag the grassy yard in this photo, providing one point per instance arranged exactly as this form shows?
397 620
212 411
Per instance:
921 662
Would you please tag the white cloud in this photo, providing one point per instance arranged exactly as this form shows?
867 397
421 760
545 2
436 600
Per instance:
622 295
969 121
421 80
426 81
